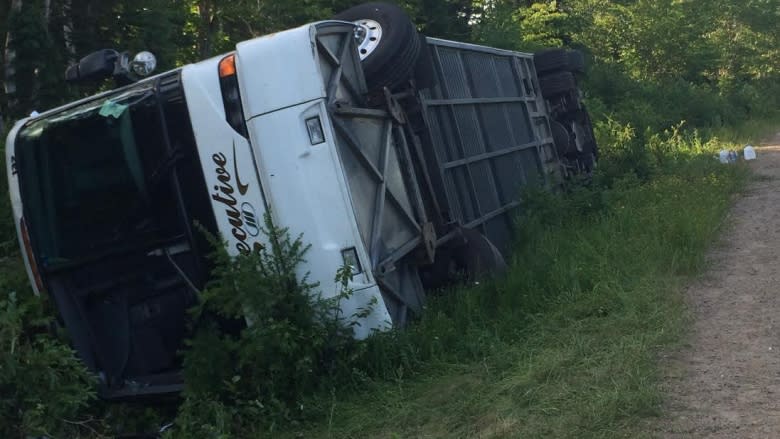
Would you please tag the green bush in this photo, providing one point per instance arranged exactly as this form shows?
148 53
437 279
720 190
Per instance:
653 106
243 378
44 388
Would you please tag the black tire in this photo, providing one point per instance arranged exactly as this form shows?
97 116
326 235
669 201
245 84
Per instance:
576 61
472 259
562 138
394 59
585 151
478 257
559 60
557 84
443 272
590 150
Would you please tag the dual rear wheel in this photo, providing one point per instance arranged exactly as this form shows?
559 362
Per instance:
570 123
390 48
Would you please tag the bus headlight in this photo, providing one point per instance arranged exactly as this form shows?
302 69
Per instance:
314 127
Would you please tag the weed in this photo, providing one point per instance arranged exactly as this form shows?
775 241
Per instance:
44 388
263 340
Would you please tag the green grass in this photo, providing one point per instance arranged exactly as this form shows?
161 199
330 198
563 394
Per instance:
567 344
753 131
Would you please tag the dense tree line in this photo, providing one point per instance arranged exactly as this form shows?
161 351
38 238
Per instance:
657 62
42 37
704 50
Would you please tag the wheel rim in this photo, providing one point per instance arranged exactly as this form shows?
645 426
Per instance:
368 34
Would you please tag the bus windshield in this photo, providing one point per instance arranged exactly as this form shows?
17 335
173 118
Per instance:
84 173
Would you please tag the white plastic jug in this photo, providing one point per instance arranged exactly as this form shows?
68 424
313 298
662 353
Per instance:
750 153
723 156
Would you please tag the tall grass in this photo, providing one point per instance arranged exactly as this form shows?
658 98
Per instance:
565 345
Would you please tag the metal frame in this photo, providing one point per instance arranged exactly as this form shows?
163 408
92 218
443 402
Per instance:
431 191
527 142
398 206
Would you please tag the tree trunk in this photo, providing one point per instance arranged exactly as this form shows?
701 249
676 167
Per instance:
10 56
46 15
207 9
67 31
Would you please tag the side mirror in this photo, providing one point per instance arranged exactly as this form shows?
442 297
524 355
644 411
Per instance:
108 63
93 67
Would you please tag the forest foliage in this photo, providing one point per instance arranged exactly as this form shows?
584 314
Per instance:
653 62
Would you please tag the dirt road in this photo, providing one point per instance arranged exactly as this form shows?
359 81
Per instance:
725 382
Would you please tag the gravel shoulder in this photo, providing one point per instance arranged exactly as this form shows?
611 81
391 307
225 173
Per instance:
724 382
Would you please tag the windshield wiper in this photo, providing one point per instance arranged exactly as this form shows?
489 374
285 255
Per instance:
167 166
169 169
